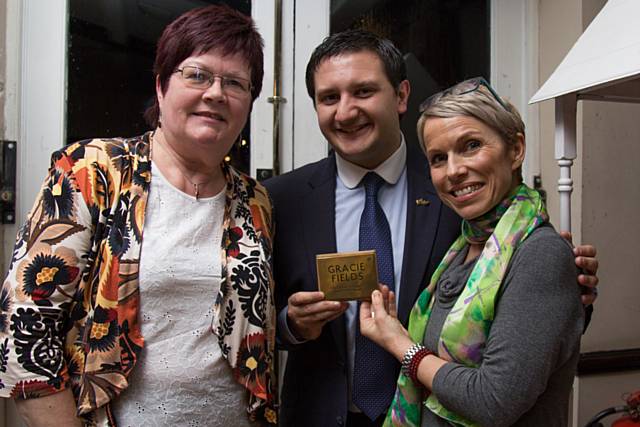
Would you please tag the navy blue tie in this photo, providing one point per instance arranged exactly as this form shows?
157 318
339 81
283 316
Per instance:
375 371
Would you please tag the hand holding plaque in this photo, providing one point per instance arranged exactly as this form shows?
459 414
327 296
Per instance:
347 276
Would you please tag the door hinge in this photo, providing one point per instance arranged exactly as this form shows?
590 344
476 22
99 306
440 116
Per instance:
537 185
8 182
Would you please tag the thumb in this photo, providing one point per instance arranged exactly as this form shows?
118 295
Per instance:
377 303
365 310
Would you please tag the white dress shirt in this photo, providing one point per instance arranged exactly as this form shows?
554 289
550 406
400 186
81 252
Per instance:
350 199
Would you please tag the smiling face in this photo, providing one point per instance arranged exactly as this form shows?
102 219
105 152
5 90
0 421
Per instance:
204 121
472 168
358 107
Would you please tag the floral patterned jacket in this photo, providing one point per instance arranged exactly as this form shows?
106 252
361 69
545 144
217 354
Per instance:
69 305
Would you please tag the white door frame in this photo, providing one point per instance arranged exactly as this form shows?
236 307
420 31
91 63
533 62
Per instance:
304 25
42 95
11 131
36 94
514 67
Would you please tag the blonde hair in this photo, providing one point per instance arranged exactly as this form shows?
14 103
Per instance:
479 104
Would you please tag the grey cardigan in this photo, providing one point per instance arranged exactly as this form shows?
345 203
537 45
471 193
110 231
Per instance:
532 350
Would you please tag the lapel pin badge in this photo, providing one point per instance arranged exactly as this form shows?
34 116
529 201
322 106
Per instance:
422 202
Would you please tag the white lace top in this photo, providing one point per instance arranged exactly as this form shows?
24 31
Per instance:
181 377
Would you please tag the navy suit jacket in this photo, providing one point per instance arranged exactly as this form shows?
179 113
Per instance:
315 381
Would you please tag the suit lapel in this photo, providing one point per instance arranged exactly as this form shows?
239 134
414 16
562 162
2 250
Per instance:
318 209
423 212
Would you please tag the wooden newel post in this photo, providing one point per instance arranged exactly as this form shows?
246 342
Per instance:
566 109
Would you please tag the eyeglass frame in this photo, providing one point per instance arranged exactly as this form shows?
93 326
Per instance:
212 79
476 81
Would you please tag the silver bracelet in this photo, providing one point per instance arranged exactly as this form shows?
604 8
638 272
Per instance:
408 357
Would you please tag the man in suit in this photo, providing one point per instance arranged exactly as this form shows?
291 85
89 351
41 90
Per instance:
358 85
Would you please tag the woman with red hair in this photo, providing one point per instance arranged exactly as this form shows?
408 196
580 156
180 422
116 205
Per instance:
140 289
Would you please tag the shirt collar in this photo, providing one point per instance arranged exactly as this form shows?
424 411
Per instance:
390 170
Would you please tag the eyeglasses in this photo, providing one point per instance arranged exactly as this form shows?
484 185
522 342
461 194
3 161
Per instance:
461 88
197 78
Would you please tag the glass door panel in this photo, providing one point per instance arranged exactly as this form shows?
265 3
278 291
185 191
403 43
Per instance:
444 41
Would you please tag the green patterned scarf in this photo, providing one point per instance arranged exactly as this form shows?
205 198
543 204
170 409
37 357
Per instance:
467 326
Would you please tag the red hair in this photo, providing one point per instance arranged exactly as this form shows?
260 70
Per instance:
198 31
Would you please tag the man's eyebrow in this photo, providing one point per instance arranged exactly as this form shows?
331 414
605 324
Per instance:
352 86
366 83
325 91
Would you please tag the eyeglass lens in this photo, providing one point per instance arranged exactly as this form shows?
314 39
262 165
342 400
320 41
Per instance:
203 79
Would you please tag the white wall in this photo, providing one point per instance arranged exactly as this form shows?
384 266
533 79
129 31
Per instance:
610 213
610 206
606 202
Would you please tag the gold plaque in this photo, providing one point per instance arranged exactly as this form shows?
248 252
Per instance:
347 276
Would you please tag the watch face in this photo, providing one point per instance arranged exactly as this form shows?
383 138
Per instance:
406 360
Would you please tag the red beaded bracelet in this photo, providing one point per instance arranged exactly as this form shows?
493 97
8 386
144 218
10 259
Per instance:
415 362
412 359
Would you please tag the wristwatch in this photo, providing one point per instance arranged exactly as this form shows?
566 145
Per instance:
411 360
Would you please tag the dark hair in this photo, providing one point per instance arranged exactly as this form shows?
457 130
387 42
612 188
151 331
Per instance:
200 30
352 41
